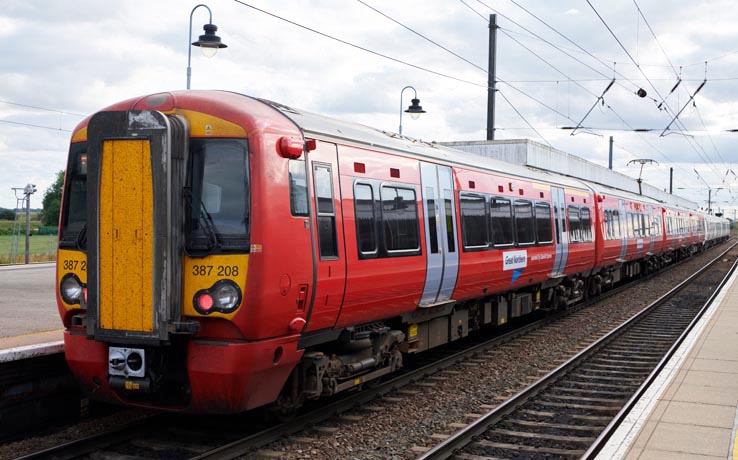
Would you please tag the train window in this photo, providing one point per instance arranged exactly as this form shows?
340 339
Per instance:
474 221
449 203
617 231
75 199
298 188
543 223
366 223
646 225
430 213
656 224
637 232
400 219
220 190
586 224
628 225
323 182
612 224
501 222
525 228
575 234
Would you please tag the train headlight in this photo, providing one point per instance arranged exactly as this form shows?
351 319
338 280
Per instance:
71 289
224 297
227 295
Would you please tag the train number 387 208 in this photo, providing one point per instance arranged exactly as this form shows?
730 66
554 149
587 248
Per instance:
220 270
75 264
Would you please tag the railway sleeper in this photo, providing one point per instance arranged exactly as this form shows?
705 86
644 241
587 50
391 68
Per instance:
486 445
553 426
545 436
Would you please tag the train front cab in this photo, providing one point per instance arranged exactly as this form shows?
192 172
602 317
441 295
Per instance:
146 324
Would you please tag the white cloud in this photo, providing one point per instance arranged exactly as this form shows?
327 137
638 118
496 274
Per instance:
81 55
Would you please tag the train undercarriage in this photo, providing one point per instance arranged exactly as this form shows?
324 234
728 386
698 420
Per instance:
362 354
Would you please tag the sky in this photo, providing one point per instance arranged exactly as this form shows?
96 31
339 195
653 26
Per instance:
65 59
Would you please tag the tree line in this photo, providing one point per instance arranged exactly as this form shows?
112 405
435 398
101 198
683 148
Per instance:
50 205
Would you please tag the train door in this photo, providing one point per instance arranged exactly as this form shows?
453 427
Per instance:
562 236
441 246
624 231
328 238
651 230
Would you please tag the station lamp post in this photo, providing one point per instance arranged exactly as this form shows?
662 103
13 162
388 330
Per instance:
413 109
209 43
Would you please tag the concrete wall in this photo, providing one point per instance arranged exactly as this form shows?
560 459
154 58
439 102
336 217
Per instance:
529 153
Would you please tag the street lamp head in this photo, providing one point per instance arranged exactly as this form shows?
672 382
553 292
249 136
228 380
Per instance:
415 109
209 43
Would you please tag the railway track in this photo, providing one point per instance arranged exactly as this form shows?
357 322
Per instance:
571 412
167 436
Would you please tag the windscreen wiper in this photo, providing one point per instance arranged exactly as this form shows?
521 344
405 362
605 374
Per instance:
81 240
206 222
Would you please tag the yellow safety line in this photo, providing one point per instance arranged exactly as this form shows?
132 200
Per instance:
735 447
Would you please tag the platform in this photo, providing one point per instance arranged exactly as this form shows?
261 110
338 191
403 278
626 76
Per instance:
691 409
30 323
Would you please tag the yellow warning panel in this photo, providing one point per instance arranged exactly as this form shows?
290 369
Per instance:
203 272
71 261
126 236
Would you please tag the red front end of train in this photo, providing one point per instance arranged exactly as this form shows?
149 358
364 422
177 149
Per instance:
219 253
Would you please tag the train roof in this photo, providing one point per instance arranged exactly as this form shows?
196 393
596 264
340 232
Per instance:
354 133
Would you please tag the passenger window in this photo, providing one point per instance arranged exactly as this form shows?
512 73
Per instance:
298 188
366 224
430 213
617 231
400 219
474 221
326 213
586 223
524 224
449 203
574 224
501 222
543 223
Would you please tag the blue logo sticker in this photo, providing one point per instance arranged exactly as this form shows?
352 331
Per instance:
516 275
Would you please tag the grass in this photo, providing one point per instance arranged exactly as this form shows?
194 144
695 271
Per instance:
43 248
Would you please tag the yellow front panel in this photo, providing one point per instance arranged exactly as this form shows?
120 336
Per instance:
126 243
203 273
69 261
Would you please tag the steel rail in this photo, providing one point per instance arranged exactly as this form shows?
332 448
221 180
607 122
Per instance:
249 443
610 429
76 448
466 435
89 444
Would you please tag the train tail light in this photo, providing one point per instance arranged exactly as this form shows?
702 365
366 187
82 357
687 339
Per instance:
204 301
223 297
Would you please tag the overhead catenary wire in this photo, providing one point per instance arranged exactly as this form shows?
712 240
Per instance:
614 70
523 118
679 77
400 61
643 16
696 147
61 112
345 42
607 105
462 58
31 125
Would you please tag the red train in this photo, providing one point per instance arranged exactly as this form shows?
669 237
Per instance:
219 252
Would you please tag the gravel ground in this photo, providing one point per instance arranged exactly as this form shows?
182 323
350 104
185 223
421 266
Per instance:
390 428
58 435
410 421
